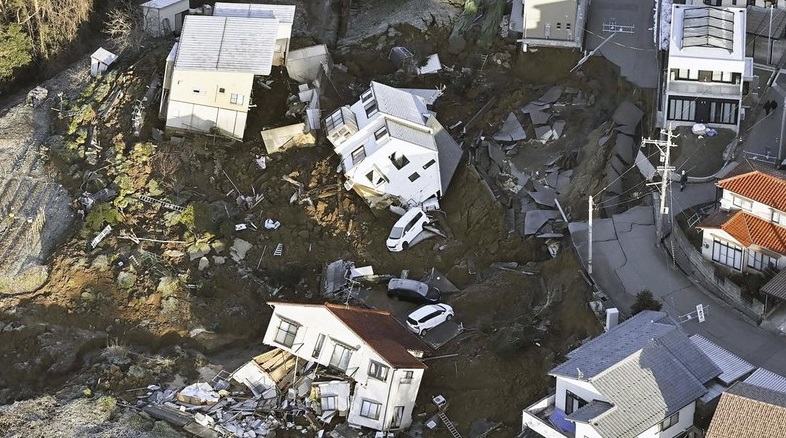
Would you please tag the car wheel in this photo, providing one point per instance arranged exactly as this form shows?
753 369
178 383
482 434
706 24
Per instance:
423 332
405 245
449 317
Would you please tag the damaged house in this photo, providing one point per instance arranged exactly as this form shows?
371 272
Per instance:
366 366
393 150
210 72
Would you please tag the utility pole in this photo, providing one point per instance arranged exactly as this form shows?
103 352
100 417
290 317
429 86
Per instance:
769 38
780 138
665 172
589 238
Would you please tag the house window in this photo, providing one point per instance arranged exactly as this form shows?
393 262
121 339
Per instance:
236 99
727 254
340 357
776 216
366 96
671 421
318 346
358 155
682 109
559 25
370 409
197 91
381 132
371 108
573 402
567 26
376 177
744 204
378 371
760 261
334 120
429 164
222 90
286 332
414 177
723 112
399 160
705 75
398 415
407 377
329 402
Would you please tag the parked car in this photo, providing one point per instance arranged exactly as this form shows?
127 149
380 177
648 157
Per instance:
412 290
427 317
406 229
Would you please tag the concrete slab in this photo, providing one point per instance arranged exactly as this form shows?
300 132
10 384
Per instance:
539 118
558 127
535 219
627 114
543 133
511 130
624 147
543 195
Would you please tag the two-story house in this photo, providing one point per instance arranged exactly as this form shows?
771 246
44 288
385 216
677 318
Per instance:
393 150
707 67
549 23
748 233
640 379
210 72
369 347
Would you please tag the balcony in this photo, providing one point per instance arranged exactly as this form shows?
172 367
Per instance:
708 89
537 418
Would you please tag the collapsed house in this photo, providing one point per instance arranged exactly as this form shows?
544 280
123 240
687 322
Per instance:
358 363
393 150
210 72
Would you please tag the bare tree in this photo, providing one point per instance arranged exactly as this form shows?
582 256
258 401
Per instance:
124 25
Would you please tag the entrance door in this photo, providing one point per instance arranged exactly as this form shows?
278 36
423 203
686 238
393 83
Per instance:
702 110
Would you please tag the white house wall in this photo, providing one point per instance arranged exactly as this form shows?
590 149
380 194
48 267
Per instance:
584 430
685 422
708 235
582 389
316 320
154 18
758 209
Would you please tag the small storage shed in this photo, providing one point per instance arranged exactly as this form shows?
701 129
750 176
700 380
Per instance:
100 60
162 17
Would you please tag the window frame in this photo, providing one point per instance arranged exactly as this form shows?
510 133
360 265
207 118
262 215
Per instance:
399 160
740 202
723 251
429 164
760 261
358 157
776 216
366 407
414 177
347 349
378 370
331 399
236 99
318 346
381 133
407 377
672 421
286 332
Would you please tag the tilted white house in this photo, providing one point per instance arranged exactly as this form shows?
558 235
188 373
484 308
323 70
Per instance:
748 234
549 23
393 150
210 72
162 17
707 66
376 354
640 379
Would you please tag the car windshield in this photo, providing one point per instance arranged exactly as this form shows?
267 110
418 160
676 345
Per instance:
396 232
412 321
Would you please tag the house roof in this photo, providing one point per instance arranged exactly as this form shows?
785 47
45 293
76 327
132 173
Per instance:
699 31
411 135
590 411
767 186
160 4
767 379
382 333
449 152
227 44
284 13
104 56
748 230
646 367
399 103
732 366
758 21
749 411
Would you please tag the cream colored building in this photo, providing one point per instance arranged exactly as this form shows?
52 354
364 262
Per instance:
210 72
549 23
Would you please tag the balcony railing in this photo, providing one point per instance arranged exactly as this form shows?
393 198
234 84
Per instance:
535 418
706 88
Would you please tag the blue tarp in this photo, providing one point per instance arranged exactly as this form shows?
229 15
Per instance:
557 418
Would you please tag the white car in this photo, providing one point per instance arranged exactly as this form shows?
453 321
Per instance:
406 229
427 317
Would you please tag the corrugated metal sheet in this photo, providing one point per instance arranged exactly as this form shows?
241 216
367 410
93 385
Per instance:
227 43
767 379
284 13
732 366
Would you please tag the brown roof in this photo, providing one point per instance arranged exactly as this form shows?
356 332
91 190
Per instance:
764 185
749 230
382 333
749 411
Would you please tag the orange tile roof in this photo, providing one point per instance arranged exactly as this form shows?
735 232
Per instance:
758 186
749 411
751 230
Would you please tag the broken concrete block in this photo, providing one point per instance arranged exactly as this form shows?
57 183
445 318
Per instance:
218 260
511 130
627 114
218 246
203 263
198 250
558 127
239 249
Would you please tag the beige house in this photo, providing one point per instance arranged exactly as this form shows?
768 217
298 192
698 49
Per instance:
210 72
549 23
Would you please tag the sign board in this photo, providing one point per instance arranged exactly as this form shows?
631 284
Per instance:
700 312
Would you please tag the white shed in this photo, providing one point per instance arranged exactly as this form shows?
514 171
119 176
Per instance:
100 60
162 17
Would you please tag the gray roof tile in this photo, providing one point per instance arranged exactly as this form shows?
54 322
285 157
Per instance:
399 103
590 411
732 366
767 379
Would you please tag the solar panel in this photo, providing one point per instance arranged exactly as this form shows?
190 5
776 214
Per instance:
708 27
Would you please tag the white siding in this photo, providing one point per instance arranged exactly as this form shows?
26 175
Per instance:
585 390
154 17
